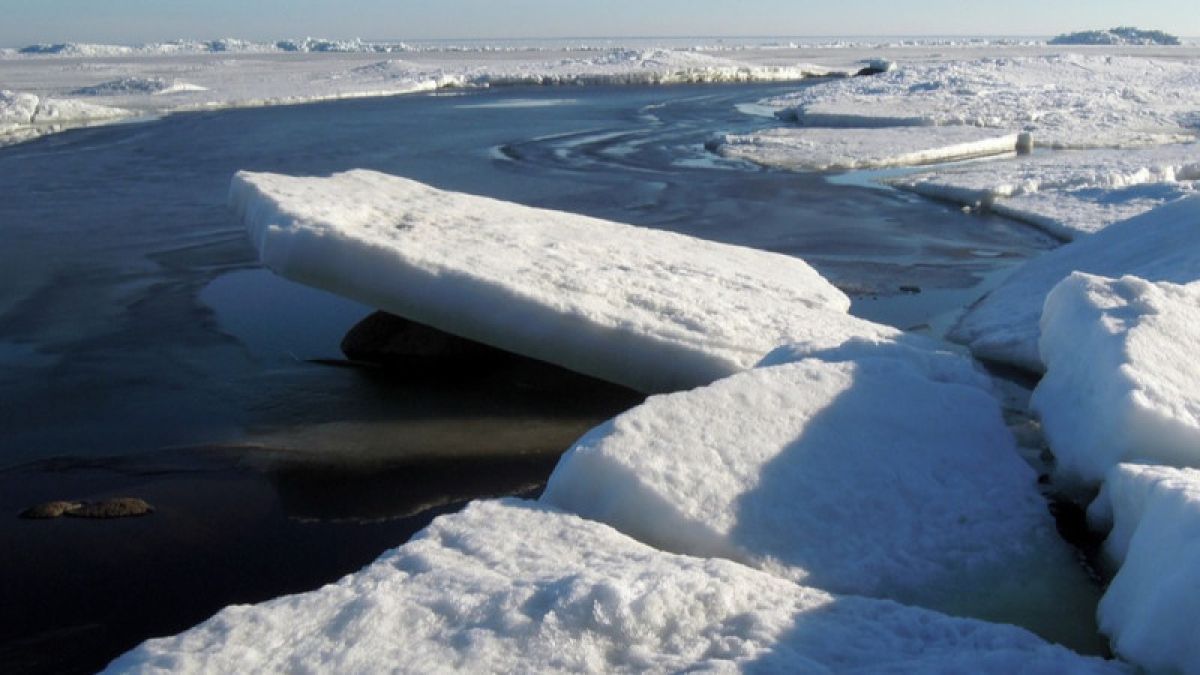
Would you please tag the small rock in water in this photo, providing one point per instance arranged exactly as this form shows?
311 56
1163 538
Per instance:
910 289
117 507
49 510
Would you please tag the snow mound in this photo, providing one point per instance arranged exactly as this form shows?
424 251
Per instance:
1122 377
649 309
1068 193
652 66
1159 245
1065 101
1122 35
812 149
24 116
863 476
137 85
508 586
1151 606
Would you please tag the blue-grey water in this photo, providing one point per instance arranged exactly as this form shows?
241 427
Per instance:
143 351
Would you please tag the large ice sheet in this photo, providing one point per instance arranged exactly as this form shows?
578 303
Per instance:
1160 245
183 76
1151 607
812 149
1064 100
515 587
1122 375
879 472
1068 193
653 310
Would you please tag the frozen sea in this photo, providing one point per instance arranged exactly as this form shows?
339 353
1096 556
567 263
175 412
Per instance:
143 351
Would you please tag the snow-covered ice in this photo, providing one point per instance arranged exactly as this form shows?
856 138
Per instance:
1068 193
24 116
1159 245
653 310
881 472
187 75
1064 100
1151 607
814 149
510 586
1122 374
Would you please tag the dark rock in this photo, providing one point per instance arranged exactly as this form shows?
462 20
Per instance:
117 507
388 339
910 289
49 510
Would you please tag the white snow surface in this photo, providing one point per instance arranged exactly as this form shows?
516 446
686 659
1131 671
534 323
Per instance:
653 310
1068 193
1122 375
23 116
1151 607
510 586
813 149
1159 245
1064 100
234 73
882 472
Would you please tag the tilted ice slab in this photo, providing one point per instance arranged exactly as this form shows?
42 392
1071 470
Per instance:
510 586
1151 607
653 310
1122 374
883 471
1160 245
1068 193
814 149
1065 100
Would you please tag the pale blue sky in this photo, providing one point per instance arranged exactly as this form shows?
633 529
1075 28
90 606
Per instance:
136 21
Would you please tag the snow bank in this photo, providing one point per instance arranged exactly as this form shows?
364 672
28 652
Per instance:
1063 100
137 85
811 149
1068 193
1122 377
649 309
876 473
1151 606
1160 245
1122 35
652 66
24 115
509 586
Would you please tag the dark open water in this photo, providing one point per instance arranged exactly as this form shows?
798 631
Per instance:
143 352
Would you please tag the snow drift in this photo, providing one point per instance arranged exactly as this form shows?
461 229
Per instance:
508 586
1122 377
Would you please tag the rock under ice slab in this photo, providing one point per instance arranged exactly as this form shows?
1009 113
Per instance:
1159 245
649 309
509 586
879 474
1122 374
812 149
1152 606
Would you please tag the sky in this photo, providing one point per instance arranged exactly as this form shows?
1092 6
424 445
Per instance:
139 21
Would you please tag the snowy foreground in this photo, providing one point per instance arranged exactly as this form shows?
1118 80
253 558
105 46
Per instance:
772 519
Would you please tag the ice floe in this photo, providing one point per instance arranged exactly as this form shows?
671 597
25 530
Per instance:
653 310
24 115
1064 100
1151 607
1159 245
814 149
882 472
1122 374
508 586
1068 193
